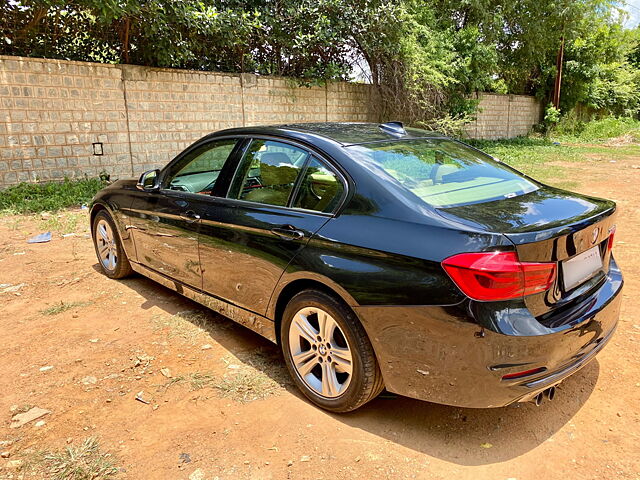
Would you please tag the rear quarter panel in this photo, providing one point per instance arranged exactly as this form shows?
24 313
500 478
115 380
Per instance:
381 261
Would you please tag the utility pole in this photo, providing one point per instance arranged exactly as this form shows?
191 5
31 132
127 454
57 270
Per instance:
558 83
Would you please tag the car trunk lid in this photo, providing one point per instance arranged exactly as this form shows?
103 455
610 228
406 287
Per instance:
550 225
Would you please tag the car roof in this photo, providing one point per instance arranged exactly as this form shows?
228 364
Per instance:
360 132
344 133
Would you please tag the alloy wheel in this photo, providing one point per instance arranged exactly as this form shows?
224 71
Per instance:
107 248
320 352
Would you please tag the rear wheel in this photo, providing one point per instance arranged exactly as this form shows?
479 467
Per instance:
111 256
328 352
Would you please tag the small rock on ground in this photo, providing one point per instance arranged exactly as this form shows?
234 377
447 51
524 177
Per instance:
197 475
89 380
22 418
13 464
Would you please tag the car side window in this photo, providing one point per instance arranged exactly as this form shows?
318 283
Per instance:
320 188
198 171
268 172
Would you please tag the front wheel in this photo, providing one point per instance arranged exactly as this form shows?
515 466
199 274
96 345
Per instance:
328 353
111 255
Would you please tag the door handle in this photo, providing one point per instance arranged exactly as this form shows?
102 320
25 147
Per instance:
190 216
287 232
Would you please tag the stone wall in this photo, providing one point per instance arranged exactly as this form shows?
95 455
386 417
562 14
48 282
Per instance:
167 110
504 116
52 112
50 115
70 119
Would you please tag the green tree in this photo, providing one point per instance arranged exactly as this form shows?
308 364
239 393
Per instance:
425 58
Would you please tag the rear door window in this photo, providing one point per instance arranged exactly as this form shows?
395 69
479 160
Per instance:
442 172
284 175
268 172
320 188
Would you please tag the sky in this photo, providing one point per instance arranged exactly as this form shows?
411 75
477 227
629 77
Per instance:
633 7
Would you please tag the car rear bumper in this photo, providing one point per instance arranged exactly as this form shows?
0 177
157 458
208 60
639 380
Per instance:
443 355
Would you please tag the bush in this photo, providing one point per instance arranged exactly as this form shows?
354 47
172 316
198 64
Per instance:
50 197
551 117
570 128
610 127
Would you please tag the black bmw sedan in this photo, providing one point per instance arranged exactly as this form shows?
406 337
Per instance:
376 256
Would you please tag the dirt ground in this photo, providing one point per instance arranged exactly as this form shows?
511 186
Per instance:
219 402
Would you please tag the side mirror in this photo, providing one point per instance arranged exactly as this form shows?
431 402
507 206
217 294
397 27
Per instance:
149 180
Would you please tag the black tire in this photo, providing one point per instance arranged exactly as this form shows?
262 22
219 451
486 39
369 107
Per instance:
366 380
122 266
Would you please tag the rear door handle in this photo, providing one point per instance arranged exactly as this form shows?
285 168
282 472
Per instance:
287 232
190 216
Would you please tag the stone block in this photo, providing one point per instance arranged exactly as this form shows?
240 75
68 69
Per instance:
10 178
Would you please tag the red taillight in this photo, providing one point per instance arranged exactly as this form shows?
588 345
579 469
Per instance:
612 233
492 276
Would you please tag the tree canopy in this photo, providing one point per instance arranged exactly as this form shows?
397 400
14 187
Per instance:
425 57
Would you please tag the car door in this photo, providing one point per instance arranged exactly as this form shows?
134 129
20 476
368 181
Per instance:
280 195
166 220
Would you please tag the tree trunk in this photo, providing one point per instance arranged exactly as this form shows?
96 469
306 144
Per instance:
125 40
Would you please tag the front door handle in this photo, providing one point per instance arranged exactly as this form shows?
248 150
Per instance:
287 232
190 216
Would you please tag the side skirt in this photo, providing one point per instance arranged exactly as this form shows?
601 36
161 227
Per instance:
259 324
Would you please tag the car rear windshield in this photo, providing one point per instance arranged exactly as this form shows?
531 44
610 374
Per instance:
443 172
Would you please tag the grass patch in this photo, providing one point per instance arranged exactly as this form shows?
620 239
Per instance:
247 381
83 462
62 307
15 223
545 159
534 157
247 385
170 383
198 381
48 197
187 325
65 222
571 129
195 380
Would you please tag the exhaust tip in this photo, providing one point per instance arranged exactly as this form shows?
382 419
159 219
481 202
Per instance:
550 392
538 399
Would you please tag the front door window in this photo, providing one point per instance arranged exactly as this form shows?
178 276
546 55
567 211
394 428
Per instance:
198 171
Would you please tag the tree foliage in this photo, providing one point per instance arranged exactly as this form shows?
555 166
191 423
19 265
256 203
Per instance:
425 57
291 38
